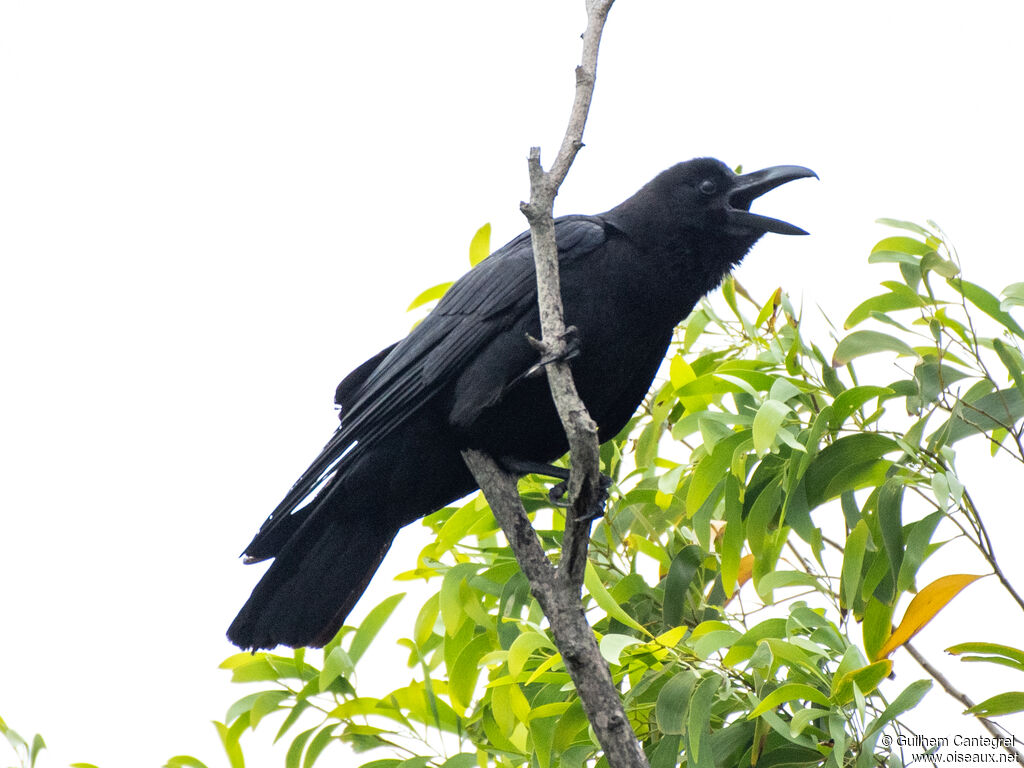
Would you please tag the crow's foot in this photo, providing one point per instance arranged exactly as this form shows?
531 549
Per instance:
571 339
596 510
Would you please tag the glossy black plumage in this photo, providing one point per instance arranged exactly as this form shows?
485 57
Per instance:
629 276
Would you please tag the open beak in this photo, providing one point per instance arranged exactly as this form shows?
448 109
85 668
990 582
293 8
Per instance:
750 186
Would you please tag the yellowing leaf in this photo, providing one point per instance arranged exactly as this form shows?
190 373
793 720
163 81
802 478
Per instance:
746 569
867 679
681 374
671 638
544 666
523 647
432 293
924 607
480 245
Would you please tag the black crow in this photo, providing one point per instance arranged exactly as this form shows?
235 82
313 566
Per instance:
629 276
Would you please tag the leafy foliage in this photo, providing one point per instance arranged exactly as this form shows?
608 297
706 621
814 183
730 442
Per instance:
771 510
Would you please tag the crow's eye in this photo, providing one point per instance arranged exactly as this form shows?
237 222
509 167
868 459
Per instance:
707 187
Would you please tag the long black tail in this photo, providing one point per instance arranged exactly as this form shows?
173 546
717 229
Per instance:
326 553
313 583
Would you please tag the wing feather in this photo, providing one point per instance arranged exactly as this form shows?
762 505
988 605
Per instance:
476 309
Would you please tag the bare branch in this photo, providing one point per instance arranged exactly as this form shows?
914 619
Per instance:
579 427
558 590
573 636
503 496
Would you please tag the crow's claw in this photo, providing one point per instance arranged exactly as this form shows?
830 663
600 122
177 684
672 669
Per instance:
557 497
571 338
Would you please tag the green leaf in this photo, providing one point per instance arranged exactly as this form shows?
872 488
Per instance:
908 225
861 343
743 648
183 761
998 410
371 625
851 462
452 611
319 744
899 244
293 716
229 740
987 303
464 672
523 647
665 753
994 652
767 422
907 700
241 706
606 602
698 721
885 302
796 657
462 760
782 579
250 668
890 522
337 664
933 379
1011 360
730 545
1014 296
612 645
877 624
853 562
865 680
426 619
480 245
933 262
789 692
853 399
680 574
695 325
673 703
916 549
710 469
1000 704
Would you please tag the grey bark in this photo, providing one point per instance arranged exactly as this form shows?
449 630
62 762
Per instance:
558 589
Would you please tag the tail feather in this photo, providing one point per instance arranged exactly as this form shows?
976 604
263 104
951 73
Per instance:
310 588
327 551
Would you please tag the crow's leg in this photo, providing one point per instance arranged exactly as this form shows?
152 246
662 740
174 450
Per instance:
557 493
572 349
522 467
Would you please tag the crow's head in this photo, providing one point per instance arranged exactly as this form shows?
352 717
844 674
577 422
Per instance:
708 193
704 199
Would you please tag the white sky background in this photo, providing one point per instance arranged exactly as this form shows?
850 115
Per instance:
211 211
